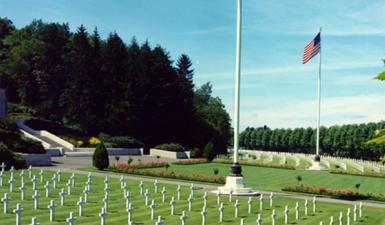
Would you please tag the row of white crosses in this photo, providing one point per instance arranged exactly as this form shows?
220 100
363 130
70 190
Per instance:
348 215
104 212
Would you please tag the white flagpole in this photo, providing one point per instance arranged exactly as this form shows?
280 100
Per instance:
237 81
319 101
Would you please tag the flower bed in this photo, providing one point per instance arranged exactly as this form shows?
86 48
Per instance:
340 194
165 174
191 161
248 163
146 165
365 174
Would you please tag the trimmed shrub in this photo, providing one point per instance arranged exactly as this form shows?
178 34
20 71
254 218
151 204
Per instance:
195 153
9 158
190 161
100 158
172 147
120 141
208 151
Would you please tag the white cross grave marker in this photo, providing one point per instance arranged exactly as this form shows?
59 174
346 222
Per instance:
34 180
172 205
153 207
30 171
261 202
47 187
71 220
141 186
147 195
22 191
85 192
236 207
130 210
190 200
5 200
271 199
103 215
340 218
183 217
314 203
286 212
62 195
51 208
34 221
156 186
296 211
331 222
11 184
249 203
164 191
306 204
204 214
159 221
1 179
273 216
348 217
17 212
35 198
259 219
221 211
41 174
178 192
80 203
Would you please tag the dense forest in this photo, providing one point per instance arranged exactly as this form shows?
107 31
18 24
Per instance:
346 141
123 89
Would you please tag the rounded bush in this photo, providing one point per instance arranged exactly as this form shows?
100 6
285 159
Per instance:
100 158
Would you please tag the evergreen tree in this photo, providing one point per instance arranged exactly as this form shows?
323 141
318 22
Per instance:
184 70
100 158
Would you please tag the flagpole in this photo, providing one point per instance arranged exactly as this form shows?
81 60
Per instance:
317 158
236 168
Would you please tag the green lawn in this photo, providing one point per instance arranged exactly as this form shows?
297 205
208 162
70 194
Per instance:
271 179
118 216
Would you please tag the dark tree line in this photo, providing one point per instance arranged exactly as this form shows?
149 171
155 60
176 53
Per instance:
345 141
79 79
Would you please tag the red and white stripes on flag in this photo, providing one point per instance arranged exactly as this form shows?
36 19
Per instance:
312 49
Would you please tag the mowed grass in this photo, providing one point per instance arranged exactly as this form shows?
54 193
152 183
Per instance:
271 179
118 215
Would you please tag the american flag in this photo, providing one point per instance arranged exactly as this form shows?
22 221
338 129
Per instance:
312 49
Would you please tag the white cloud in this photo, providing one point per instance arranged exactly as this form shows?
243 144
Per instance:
338 18
301 113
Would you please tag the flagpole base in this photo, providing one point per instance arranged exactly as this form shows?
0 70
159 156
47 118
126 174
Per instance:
317 166
235 185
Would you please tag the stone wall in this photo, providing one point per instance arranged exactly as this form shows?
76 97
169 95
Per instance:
168 154
37 159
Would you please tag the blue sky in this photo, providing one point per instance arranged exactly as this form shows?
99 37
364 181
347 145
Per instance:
276 89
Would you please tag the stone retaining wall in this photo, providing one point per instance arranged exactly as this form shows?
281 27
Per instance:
168 154
37 159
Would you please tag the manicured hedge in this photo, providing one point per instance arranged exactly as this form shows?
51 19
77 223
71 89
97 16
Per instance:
146 165
365 174
120 141
257 164
190 161
172 147
340 194
172 175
